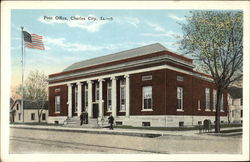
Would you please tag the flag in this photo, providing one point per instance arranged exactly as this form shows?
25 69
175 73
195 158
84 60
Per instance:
27 37
33 41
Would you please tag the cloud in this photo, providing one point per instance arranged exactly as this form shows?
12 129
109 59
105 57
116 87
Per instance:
90 26
174 17
134 21
169 34
161 32
156 27
67 46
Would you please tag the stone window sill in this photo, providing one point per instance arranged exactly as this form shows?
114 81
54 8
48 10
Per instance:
180 110
147 110
207 110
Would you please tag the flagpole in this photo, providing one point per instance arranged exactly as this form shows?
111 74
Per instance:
22 73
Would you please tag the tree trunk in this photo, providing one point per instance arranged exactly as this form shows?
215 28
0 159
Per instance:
39 116
217 113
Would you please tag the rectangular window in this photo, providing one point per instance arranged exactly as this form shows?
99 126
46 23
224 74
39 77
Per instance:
207 94
19 116
109 95
222 103
179 98
241 101
17 107
86 97
214 99
57 104
199 105
147 97
181 124
76 98
32 116
97 92
122 95
118 122
43 116
146 124
241 113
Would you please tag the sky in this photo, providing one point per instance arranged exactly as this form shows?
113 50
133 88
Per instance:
86 34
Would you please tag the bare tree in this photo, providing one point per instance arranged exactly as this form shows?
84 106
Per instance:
214 39
35 89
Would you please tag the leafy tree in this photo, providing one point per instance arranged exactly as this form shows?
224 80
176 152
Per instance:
35 89
214 39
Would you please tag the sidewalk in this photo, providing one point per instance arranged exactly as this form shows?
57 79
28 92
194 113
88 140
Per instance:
127 132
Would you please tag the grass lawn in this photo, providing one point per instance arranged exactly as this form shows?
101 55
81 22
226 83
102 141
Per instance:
175 128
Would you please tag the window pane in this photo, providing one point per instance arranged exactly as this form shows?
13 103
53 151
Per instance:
179 98
122 82
214 99
97 94
145 104
221 103
109 99
147 97
57 103
149 103
122 101
207 93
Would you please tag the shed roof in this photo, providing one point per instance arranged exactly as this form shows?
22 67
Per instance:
140 51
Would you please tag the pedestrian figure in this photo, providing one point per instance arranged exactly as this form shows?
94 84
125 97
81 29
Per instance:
81 118
111 121
85 117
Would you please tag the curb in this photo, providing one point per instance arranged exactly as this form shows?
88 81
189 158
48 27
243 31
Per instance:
91 131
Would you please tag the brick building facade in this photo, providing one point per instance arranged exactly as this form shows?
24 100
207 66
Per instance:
145 86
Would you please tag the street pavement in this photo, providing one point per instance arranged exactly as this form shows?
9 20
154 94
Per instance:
54 139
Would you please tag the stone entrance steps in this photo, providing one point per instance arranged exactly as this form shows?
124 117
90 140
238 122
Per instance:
92 123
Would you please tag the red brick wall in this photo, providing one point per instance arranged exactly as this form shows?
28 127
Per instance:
164 86
171 92
193 90
158 92
64 99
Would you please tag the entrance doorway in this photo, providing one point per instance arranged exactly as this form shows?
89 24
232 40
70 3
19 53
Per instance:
95 110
